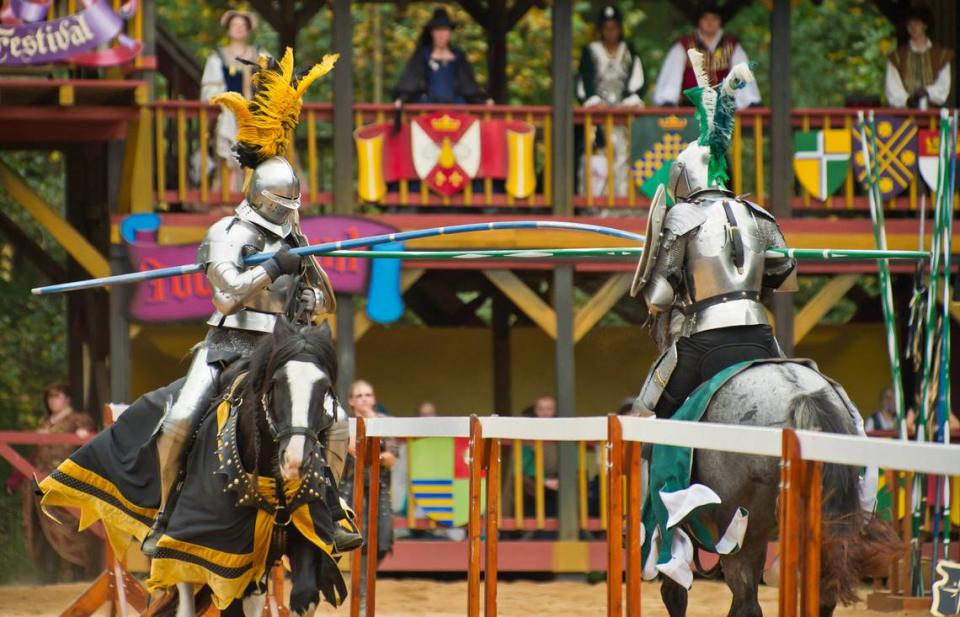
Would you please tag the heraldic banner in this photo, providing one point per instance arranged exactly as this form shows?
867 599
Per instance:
928 147
821 160
446 150
896 154
440 479
655 142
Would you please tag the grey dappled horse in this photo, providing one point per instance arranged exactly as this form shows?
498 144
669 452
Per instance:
779 395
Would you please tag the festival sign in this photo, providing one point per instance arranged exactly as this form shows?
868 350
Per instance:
440 479
26 37
446 150
821 160
896 164
188 296
656 142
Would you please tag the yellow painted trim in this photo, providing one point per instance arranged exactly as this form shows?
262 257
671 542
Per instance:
66 95
525 299
818 306
539 496
599 304
571 556
69 238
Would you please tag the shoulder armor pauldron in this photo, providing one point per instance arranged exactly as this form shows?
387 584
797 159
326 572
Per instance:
684 217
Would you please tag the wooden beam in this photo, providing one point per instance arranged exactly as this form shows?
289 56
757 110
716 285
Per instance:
525 299
598 305
955 311
818 306
69 238
33 251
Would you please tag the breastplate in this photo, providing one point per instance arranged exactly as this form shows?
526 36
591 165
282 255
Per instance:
711 272
260 311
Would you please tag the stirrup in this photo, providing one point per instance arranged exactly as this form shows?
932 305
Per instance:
345 541
149 545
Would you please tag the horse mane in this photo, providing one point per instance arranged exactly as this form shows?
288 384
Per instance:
314 343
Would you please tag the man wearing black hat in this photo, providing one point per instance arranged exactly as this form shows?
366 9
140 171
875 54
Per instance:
611 74
438 72
721 51
918 72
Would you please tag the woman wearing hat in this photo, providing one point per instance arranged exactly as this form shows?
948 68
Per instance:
610 74
438 72
224 72
918 72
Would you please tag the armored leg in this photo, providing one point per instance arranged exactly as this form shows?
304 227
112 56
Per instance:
198 388
338 439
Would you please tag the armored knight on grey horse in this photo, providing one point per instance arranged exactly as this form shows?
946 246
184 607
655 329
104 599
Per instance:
249 300
705 267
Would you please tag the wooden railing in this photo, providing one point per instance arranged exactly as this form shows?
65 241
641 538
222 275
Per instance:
183 129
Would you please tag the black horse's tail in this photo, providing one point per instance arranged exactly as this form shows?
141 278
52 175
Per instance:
853 542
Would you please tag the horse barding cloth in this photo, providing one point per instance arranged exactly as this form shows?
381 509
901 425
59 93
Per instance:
672 526
227 524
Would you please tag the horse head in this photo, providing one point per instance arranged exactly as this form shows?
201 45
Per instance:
293 373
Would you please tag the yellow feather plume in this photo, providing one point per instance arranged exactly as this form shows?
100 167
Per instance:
265 123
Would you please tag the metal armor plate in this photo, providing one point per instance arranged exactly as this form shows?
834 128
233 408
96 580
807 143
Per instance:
656 382
654 235
711 270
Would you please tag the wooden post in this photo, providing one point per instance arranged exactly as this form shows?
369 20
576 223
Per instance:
561 100
812 533
615 524
373 524
359 468
346 347
789 523
473 526
493 517
563 290
343 168
634 506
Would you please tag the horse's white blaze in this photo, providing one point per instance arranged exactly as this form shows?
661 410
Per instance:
301 376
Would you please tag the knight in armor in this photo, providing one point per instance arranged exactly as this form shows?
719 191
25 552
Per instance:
720 50
610 74
918 72
704 268
249 300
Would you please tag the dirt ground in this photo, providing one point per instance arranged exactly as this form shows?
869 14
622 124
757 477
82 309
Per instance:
419 598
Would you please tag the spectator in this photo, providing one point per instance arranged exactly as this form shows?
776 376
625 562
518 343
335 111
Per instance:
54 546
427 410
227 70
610 74
918 72
543 407
438 72
363 404
885 417
721 52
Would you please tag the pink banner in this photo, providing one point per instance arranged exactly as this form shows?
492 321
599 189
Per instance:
187 297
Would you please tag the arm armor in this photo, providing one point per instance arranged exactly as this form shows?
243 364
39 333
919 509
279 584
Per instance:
660 293
227 242
776 271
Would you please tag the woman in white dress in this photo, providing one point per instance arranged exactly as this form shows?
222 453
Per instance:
224 72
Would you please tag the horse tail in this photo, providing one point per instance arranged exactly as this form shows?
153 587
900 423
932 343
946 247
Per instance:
843 541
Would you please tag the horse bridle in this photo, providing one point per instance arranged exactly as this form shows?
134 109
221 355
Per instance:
278 433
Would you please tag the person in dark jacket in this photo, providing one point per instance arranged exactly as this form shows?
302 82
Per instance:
438 72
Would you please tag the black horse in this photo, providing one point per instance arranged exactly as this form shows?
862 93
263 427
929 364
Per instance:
269 435
255 483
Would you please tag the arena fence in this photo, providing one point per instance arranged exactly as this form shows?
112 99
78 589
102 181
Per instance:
802 455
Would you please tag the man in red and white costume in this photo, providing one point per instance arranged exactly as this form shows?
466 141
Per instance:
721 52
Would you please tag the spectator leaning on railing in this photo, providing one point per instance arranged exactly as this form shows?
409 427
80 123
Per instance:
610 74
54 546
721 52
438 72
918 72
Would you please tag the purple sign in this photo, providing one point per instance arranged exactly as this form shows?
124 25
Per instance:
25 39
187 297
